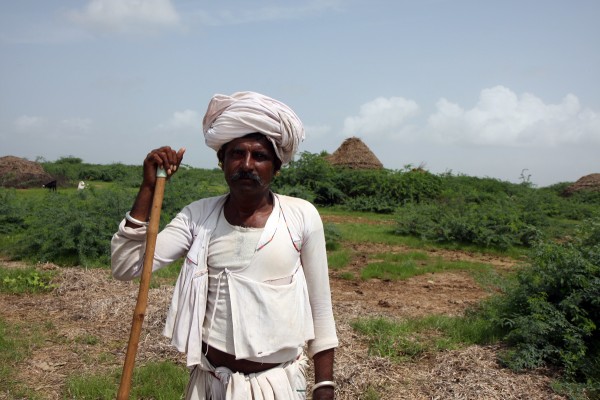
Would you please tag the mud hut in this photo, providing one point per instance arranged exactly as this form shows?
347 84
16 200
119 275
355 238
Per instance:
589 182
354 154
20 173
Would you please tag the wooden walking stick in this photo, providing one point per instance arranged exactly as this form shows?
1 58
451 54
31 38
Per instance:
142 299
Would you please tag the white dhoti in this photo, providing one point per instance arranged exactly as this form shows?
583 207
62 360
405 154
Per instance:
287 381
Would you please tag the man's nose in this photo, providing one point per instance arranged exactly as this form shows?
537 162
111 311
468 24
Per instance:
248 162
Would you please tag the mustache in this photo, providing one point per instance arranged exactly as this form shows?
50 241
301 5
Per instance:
246 175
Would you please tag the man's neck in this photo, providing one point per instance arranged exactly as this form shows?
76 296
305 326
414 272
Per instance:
250 211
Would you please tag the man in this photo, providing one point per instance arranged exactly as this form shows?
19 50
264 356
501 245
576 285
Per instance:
254 286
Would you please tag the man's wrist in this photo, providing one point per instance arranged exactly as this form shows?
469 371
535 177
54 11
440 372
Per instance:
323 390
323 393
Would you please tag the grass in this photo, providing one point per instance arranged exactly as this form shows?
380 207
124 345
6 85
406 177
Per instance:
371 394
349 276
339 211
385 234
400 266
338 259
12 350
16 343
576 391
407 339
372 233
28 280
156 380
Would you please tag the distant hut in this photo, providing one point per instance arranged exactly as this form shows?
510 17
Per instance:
20 173
589 182
354 154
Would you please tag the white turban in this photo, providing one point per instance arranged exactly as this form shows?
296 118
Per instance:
231 117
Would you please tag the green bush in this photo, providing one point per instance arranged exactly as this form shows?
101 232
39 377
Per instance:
296 191
383 191
74 228
12 212
494 223
551 314
379 190
72 169
371 204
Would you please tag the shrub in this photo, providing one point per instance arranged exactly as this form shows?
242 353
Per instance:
74 228
551 314
497 223
310 170
371 204
12 212
296 191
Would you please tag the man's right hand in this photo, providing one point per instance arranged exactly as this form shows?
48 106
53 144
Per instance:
164 157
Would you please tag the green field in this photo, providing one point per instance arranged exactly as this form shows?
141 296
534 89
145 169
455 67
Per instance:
546 312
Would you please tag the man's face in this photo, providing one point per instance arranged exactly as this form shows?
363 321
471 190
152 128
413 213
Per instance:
249 164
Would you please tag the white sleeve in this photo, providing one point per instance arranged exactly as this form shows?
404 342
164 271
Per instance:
314 262
129 244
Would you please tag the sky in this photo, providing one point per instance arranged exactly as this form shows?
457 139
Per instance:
502 89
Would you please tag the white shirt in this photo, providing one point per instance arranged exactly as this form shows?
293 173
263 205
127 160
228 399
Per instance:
294 313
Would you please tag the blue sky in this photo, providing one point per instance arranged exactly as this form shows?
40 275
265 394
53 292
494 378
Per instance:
502 89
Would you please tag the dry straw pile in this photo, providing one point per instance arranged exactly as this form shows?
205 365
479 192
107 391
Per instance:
354 154
589 182
20 173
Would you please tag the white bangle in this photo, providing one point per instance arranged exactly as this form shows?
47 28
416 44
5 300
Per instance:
321 384
129 218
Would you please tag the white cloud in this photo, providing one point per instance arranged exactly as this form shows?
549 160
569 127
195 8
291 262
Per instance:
382 117
26 123
500 117
127 16
182 120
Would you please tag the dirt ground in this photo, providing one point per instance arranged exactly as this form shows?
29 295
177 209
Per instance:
86 322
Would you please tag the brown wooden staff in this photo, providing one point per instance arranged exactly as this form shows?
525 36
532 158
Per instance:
142 299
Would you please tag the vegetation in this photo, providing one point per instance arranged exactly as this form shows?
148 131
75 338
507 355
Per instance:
154 380
15 346
408 339
551 313
547 313
25 281
74 227
390 266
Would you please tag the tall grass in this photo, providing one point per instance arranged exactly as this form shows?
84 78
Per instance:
400 266
155 380
16 343
407 339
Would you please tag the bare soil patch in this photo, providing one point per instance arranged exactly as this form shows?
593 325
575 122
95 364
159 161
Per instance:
86 322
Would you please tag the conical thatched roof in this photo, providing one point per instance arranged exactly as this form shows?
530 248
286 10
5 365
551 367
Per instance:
20 173
353 153
589 182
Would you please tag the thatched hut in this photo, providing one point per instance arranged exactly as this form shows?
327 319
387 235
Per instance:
354 154
589 182
20 173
